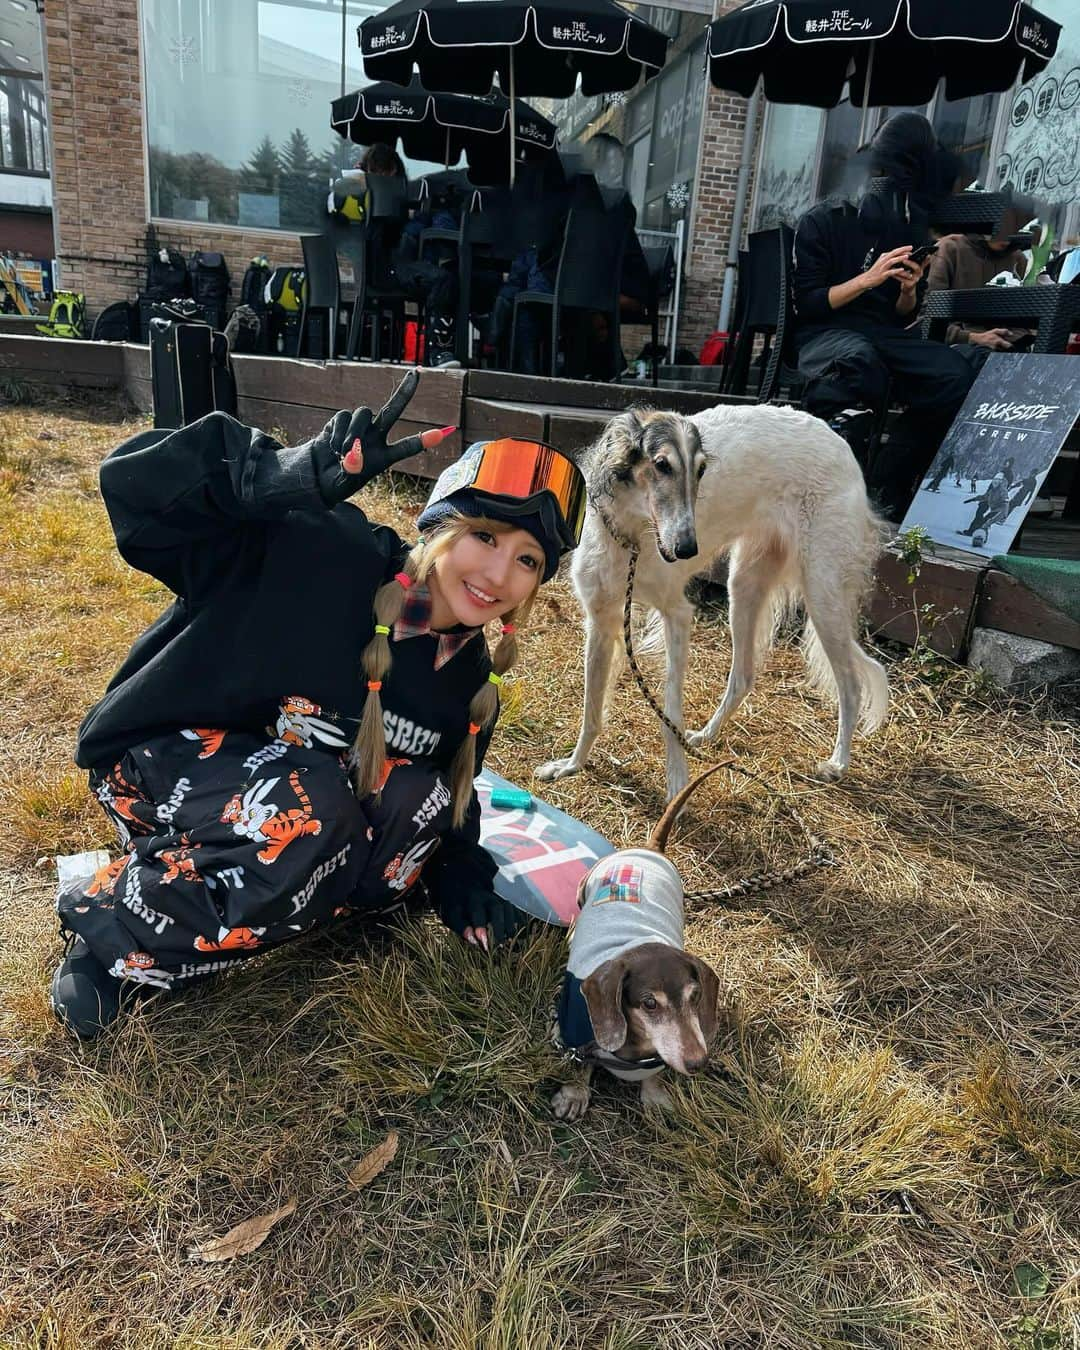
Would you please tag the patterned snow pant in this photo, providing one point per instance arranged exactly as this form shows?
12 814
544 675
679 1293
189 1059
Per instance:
235 845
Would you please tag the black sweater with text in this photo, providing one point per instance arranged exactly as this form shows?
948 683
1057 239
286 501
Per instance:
274 594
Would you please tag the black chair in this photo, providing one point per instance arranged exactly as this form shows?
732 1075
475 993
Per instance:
369 247
321 309
482 238
764 310
538 203
660 264
590 267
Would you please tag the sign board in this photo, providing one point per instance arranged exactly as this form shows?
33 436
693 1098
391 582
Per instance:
998 451
542 853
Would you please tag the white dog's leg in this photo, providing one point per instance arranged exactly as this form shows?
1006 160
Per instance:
832 624
677 624
601 634
750 584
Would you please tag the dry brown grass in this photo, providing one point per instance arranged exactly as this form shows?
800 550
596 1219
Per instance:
886 1147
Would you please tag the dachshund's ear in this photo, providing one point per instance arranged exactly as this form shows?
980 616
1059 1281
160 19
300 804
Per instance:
710 992
603 993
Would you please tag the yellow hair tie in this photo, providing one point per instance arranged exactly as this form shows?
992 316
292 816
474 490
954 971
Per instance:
495 679
383 629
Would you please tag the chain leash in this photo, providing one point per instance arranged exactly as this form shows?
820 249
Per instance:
818 854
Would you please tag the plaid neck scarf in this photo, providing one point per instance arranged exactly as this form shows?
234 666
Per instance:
415 621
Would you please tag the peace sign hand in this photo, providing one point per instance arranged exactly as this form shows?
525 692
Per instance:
352 448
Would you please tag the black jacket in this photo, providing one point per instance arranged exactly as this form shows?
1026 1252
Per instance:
274 595
831 246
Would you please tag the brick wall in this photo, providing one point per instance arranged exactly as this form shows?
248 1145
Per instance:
98 163
718 169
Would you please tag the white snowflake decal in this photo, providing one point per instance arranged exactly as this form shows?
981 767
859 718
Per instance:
300 92
678 195
183 51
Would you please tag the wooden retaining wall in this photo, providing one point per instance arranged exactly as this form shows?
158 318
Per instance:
953 593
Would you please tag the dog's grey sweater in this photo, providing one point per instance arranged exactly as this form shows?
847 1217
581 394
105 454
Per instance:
607 926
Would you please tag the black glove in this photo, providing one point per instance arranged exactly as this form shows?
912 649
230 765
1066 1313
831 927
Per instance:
481 910
334 442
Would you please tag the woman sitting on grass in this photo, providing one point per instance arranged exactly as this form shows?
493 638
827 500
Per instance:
296 736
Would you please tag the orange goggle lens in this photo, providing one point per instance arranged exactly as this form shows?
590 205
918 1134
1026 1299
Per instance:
516 468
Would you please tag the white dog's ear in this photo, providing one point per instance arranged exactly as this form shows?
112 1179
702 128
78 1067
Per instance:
622 442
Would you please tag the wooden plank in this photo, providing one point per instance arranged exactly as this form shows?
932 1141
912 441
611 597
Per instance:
502 385
141 394
949 585
574 432
349 384
486 419
1009 606
61 361
295 422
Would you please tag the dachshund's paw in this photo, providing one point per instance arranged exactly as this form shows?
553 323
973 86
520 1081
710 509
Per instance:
571 1101
555 769
654 1096
828 772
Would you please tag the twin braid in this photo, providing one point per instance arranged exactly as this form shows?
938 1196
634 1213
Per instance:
483 710
370 744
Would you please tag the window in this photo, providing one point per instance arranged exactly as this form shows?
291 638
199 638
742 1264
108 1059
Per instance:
24 140
663 123
1041 149
785 178
238 95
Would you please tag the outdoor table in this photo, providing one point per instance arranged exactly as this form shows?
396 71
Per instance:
1054 311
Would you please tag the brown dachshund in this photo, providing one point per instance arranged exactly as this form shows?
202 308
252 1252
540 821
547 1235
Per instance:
633 1001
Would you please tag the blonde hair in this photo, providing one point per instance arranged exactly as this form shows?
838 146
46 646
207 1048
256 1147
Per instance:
370 745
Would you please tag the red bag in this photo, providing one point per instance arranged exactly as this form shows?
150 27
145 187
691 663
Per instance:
414 343
714 349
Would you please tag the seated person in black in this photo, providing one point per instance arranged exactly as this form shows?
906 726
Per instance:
856 302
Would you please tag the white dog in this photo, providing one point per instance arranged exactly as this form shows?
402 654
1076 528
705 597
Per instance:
779 492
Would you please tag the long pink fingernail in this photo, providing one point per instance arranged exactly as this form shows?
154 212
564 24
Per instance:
446 431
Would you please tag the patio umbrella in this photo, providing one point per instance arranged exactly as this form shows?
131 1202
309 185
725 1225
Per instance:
539 48
440 127
890 53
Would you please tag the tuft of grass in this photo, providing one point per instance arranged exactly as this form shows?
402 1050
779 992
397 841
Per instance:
1025 1112
430 1021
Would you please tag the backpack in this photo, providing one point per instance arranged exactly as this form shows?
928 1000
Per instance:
209 279
244 330
118 322
253 286
285 289
167 275
714 350
348 198
67 316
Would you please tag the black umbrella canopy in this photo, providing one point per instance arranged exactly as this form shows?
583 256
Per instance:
806 50
439 127
461 45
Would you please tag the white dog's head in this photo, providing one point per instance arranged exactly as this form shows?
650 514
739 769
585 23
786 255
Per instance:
658 456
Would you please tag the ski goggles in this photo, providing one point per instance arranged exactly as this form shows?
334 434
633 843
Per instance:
523 471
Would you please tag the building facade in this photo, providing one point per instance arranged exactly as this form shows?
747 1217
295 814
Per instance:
209 120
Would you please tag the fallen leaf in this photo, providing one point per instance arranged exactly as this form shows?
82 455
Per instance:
374 1161
244 1238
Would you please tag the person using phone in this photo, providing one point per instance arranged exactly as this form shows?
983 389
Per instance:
857 287
964 261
